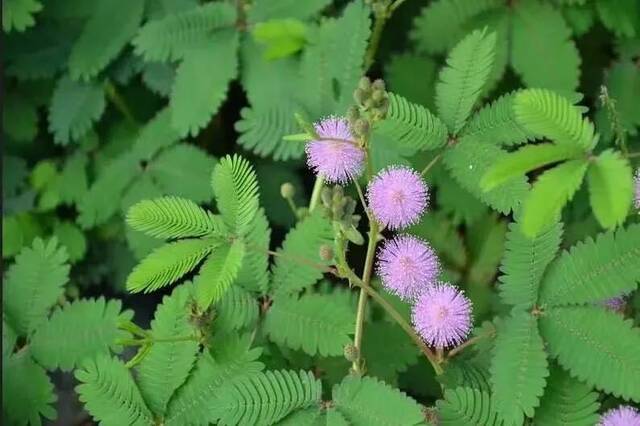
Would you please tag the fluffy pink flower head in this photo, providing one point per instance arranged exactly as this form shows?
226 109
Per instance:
442 316
407 266
398 196
637 184
335 155
624 415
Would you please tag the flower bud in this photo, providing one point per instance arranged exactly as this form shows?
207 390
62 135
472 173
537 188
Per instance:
360 96
378 85
326 252
351 353
361 127
353 114
364 84
287 190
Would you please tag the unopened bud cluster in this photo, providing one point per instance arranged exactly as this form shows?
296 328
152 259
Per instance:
372 103
341 209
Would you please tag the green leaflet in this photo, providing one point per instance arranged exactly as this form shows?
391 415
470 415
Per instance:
550 193
467 406
594 270
218 273
462 80
235 187
496 123
366 401
523 161
110 394
74 108
98 43
26 388
193 402
254 273
610 181
549 115
613 364
467 160
237 309
168 263
33 284
265 398
304 241
314 323
281 37
173 36
387 350
532 42
168 364
412 125
262 10
525 261
566 401
172 217
196 96
518 368
62 342
442 23
18 14
621 17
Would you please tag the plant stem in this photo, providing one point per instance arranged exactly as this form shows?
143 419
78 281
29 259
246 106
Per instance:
315 194
118 101
362 200
428 353
374 41
362 299
299 260
430 165
633 155
453 352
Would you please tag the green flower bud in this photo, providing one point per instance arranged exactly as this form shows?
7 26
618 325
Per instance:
360 96
378 85
353 113
364 84
287 190
361 127
326 252
351 353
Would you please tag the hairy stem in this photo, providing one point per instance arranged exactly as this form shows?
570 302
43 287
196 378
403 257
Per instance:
362 299
315 194
428 353
431 164
297 259
118 101
374 42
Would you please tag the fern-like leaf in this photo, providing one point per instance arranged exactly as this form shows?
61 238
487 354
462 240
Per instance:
551 192
549 115
613 364
75 106
264 398
367 401
172 217
302 242
462 80
412 126
18 14
168 364
27 392
168 263
172 37
196 96
467 406
235 187
254 273
109 393
237 309
98 43
443 23
468 159
263 10
593 271
610 181
193 403
218 273
34 283
531 41
523 161
524 263
496 123
62 342
313 323
566 401
518 368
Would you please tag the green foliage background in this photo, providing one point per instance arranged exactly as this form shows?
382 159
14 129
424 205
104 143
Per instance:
144 151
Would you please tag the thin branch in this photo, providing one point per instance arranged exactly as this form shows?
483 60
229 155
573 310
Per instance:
430 165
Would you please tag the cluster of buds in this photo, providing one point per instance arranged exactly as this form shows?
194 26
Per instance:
372 103
341 209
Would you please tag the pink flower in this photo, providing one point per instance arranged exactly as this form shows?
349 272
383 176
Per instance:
397 197
442 316
407 265
335 156
624 415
